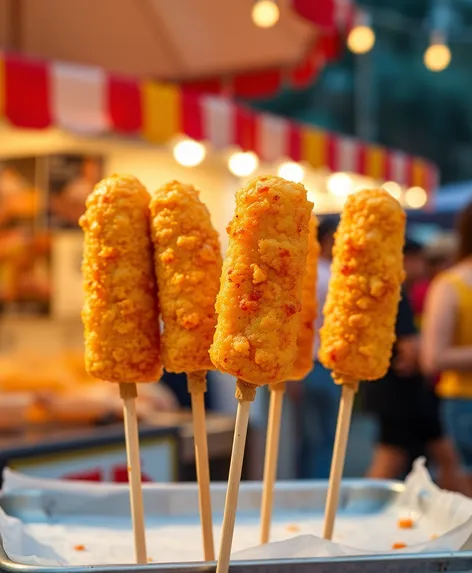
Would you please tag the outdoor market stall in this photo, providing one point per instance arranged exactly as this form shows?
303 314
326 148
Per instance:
65 125
78 129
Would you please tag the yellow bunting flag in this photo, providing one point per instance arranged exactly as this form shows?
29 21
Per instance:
418 173
375 162
314 147
161 111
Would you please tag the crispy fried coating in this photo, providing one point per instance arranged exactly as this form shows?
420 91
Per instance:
306 335
120 313
259 301
364 290
188 267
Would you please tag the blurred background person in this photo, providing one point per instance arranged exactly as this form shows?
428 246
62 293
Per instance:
318 394
438 255
446 348
404 403
414 262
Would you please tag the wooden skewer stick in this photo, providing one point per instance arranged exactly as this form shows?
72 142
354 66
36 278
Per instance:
339 456
129 393
196 382
271 457
245 393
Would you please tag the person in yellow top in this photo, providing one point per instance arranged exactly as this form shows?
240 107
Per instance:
446 345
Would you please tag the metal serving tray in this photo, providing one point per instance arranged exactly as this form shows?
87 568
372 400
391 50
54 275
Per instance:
357 496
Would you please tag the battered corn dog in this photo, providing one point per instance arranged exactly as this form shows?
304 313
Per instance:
301 367
120 313
188 268
364 290
306 335
259 304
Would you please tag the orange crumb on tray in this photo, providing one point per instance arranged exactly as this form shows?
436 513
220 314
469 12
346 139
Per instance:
150 559
406 523
399 545
79 547
434 536
293 528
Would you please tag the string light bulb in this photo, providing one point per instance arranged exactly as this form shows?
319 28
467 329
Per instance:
265 13
291 171
361 38
243 163
394 189
339 184
437 56
189 152
416 197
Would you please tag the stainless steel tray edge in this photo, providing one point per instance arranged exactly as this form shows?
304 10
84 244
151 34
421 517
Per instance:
457 562
460 562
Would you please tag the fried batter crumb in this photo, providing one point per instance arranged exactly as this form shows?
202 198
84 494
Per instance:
406 523
79 547
399 545
293 528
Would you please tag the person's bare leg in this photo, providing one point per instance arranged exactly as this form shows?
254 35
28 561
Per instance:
387 462
451 475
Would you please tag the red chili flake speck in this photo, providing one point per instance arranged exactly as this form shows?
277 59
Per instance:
290 309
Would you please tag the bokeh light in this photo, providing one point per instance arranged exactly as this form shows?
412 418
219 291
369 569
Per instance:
361 39
339 184
265 13
415 197
394 189
242 163
291 171
189 152
437 57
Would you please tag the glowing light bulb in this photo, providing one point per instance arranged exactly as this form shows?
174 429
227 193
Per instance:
339 184
291 171
361 39
415 197
394 189
265 13
243 164
437 57
189 152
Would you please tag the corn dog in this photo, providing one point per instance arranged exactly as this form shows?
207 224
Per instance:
188 268
367 271
120 313
302 366
258 306
259 301
360 309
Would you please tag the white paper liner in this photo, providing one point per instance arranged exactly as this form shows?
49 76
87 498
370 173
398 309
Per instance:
295 534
